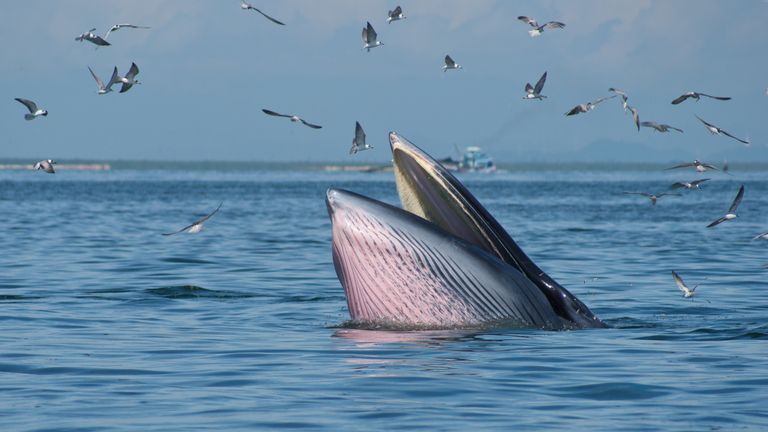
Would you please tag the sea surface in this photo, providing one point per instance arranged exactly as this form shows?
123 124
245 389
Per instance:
109 326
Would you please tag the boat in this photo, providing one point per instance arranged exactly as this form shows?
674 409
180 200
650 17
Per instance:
475 160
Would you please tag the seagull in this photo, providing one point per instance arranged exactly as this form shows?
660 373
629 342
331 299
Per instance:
129 79
696 95
34 111
652 197
763 236
197 225
589 106
661 127
731 210
534 92
623 95
698 165
93 38
247 6
714 130
635 116
395 15
293 118
45 165
537 29
688 185
369 38
687 292
117 27
450 64
104 89
358 143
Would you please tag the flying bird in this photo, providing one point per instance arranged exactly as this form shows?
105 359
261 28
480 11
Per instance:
93 38
660 127
369 38
34 111
688 185
714 130
358 143
450 64
731 210
395 15
534 92
623 95
650 196
129 79
586 107
197 225
696 95
538 29
635 116
117 27
248 6
104 89
697 165
45 165
293 118
687 292
762 236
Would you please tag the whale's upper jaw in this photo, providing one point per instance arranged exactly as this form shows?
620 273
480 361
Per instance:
428 190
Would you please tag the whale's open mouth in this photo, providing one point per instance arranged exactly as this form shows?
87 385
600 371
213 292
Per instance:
443 261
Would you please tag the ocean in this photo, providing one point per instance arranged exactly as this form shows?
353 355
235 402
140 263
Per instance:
109 326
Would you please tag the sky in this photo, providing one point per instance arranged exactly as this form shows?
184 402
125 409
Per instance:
208 68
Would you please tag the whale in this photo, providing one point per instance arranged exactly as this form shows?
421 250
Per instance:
441 261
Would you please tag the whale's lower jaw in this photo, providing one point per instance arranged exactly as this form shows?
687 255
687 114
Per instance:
399 270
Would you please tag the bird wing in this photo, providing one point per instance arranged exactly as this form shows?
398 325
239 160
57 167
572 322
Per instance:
715 97
197 222
398 10
679 282
31 106
528 88
540 84
365 34
554 25
699 181
707 124
717 222
276 114
99 82
761 235
113 80
371 32
737 200
678 185
132 72
449 61
595 102
268 17
709 166
737 139
650 124
683 165
111 29
313 126
98 40
680 98
673 128
575 110
667 194
635 116
125 87
617 91
359 134
645 194
530 21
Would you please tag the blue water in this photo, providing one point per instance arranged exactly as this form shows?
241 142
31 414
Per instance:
107 325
